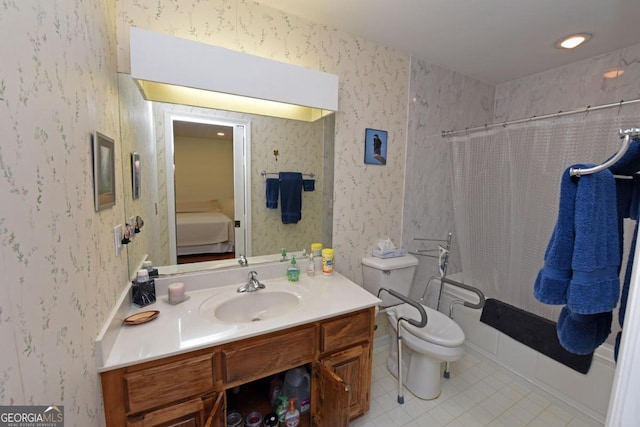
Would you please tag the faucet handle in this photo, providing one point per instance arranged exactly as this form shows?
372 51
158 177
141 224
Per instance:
253 275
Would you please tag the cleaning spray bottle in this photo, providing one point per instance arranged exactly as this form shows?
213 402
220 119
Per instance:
281 409
292 417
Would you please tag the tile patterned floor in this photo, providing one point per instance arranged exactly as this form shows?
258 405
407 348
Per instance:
477 394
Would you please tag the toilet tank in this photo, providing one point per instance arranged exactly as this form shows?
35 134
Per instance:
394 273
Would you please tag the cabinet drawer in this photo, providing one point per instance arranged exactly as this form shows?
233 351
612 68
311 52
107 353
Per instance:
268 355
168 383
346 331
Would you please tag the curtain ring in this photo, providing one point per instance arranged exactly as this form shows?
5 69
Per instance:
620 106
586 111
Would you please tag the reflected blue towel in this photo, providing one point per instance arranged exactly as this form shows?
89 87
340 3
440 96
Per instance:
272 192
308 184
291 197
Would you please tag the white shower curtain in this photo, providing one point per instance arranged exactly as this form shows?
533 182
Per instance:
505 194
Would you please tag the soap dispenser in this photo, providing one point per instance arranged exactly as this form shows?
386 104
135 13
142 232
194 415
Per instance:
293 272
292 417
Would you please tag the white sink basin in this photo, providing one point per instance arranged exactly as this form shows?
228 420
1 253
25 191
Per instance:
252 306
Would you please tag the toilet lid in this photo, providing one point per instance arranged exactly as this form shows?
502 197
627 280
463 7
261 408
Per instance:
440 329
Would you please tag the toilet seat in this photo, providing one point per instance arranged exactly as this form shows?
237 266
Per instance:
440 329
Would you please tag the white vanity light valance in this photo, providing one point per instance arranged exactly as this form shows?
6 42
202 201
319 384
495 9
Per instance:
181 71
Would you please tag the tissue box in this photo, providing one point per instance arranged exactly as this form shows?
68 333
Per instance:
388 253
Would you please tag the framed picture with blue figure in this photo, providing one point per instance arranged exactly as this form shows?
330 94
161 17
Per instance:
375 147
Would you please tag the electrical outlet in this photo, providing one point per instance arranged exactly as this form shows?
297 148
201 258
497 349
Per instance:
117 238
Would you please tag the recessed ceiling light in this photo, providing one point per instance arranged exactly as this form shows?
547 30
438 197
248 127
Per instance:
220 133
613 73
573 41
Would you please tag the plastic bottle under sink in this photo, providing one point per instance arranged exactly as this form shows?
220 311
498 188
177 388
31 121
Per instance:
297 383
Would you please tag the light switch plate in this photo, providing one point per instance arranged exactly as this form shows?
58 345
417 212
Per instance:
117 238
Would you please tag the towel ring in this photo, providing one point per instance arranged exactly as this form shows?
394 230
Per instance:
627 135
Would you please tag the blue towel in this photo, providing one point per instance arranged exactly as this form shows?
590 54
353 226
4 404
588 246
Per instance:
272 192
291 197
582 261
595 282
583 333
553 279
308 184
635 199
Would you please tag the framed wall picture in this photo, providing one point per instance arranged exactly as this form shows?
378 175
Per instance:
135 174
375 147
104 177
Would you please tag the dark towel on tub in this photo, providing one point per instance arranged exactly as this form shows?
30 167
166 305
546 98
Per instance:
291 197
272 192
533 331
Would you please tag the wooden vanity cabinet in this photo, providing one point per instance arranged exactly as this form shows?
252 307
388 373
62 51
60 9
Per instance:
189 389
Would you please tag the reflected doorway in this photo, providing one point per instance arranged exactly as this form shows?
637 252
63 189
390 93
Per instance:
207 202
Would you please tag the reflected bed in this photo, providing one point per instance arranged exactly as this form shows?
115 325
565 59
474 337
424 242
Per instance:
201 227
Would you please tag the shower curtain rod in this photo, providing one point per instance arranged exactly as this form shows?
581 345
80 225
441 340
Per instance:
449 133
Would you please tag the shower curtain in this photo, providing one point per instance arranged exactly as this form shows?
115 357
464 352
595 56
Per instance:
505 195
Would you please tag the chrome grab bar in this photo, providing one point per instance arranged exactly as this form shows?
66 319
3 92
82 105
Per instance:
423 314
478 292
419 324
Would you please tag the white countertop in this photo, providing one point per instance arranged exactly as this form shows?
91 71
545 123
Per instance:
184 327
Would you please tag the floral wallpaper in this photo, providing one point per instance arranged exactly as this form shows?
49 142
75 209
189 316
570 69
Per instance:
372 94
60 273
136 128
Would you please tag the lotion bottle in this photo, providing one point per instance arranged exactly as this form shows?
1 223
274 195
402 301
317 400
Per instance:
311 266
292 417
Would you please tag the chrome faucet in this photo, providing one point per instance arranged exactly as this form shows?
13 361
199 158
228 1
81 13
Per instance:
242 260
252 285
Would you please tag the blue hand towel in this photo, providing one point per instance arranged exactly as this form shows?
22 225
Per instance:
272 192
308 184
595 283
583 333
635 199
291 197
553 279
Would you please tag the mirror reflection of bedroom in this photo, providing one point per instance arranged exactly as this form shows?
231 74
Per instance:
204 191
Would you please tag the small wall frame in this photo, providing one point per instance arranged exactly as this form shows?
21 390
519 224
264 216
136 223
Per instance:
135 175
104 177
375 147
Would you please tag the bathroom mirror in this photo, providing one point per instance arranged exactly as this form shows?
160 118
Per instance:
273 144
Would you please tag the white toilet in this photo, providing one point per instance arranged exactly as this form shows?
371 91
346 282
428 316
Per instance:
441 340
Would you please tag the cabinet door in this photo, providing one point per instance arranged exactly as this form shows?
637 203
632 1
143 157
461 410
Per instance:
217 414
186 414
329 399
353 366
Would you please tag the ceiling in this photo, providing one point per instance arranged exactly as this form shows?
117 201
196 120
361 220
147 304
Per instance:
493 41
202 130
